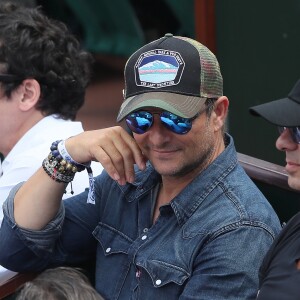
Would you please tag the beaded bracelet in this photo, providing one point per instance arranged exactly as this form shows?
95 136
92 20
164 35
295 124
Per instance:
60 171
59 151
60 146
61 167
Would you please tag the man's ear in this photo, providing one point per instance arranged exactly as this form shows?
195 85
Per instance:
220 112
28 93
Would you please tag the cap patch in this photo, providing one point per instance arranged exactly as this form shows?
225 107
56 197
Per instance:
158 68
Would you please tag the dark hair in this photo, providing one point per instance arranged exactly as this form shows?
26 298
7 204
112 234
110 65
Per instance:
209 105
35 46
62 283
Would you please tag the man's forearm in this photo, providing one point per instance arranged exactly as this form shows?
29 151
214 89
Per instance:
38 201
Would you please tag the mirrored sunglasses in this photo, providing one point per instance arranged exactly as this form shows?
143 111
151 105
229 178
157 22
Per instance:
141 121
294 132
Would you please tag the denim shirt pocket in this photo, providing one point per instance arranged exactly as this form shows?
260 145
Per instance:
112 250
111 240
163 273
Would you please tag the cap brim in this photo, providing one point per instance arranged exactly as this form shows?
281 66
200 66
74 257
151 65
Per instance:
181 105
282 112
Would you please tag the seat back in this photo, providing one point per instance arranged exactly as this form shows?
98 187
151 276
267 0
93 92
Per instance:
110 27
271 179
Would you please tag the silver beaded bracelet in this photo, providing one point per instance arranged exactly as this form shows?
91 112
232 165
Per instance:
51 167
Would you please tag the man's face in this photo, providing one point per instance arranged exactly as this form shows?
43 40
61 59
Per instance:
175 155
292 151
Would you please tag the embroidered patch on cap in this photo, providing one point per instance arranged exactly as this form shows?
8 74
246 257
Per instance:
158 68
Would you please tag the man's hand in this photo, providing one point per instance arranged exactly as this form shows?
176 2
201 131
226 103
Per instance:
113 147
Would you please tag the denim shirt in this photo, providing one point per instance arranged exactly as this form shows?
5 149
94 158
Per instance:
207 243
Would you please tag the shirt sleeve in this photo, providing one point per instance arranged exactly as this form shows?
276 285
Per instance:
28 244
66 239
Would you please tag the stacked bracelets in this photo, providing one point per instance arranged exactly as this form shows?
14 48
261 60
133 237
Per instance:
59 170
61 167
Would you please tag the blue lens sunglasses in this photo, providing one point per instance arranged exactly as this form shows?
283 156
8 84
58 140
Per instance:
141 121
294 132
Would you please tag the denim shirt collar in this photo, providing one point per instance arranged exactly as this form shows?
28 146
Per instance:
191 197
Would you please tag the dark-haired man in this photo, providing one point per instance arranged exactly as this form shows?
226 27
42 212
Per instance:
43 76
185 223
280 271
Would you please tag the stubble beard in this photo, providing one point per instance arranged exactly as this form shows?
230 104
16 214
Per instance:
197 165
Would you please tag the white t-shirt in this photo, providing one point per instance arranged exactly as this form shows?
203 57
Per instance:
30 151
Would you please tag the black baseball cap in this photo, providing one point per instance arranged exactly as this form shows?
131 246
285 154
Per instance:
282 112
173 73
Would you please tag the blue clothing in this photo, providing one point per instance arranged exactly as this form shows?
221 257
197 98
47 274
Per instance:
208 243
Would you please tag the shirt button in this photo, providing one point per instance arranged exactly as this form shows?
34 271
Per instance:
158 282
145 229
144 237
108 250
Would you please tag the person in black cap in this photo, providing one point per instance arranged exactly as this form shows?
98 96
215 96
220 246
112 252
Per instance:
280 271
185 223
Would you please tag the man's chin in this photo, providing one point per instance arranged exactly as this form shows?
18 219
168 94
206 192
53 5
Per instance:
294 182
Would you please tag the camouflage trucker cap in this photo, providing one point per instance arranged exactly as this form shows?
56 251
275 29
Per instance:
173 73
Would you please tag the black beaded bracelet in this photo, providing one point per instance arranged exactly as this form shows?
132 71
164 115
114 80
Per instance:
60 171
61 167
58 155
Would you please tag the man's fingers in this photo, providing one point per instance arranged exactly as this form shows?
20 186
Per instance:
113 147
119 153
138 156
128 160
109 166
